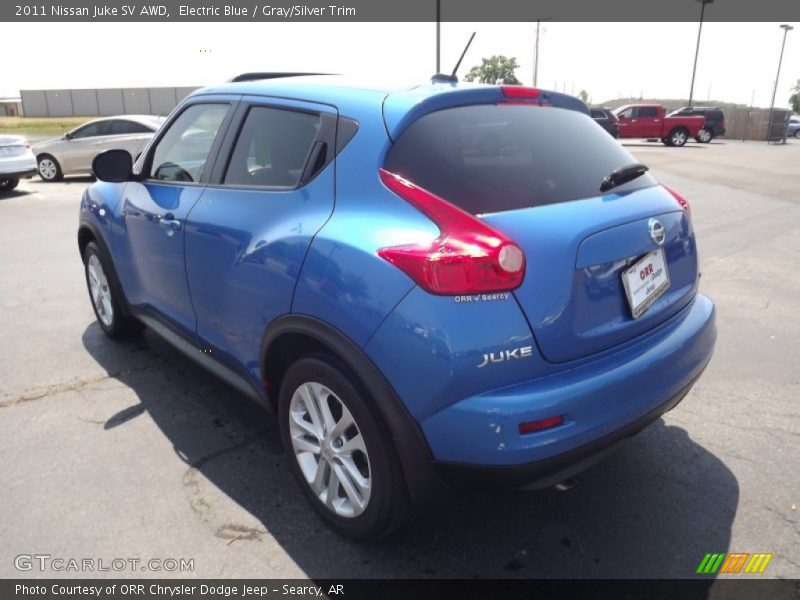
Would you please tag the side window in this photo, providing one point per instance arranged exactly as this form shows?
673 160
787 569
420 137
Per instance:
272 147
598 114
182 152
127 128
626 114
91 130
649 112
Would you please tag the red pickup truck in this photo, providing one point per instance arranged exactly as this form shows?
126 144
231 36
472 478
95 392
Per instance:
650 121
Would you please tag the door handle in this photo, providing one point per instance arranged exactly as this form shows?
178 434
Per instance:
169 224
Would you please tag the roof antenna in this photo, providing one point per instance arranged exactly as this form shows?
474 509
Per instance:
443 77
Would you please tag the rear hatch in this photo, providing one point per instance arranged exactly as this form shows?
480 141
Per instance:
534 173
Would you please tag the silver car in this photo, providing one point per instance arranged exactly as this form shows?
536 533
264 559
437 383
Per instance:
793 128
73 153
16 161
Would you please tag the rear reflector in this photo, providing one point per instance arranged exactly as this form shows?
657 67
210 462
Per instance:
681 200
541 425
467 257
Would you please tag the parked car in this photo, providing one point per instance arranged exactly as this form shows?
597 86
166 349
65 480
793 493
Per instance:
793 129
649 121
16 161
72 154
715 121
463 314
606 118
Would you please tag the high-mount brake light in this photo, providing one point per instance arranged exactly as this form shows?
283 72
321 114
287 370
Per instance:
467 257
681 200
519 92
526 96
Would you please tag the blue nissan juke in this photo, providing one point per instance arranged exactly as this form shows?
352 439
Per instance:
439 287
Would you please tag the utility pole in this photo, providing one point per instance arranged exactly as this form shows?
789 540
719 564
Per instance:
786 29
697 49
536 52
438 35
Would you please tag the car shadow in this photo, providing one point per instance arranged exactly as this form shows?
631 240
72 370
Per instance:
15 193
653 509
659 144
69 179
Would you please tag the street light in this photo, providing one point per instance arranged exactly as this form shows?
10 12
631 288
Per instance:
786 29
697 50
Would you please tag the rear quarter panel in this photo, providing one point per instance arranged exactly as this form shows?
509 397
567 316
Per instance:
343 281
693 124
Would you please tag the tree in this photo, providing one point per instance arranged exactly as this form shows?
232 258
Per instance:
584 95
794 99
497 69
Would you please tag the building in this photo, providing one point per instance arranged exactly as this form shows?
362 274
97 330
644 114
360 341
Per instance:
102 101
10 107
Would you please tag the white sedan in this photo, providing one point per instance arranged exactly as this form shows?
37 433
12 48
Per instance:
16 161
73 153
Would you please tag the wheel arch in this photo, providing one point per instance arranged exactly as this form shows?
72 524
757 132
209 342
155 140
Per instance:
89 232
293 336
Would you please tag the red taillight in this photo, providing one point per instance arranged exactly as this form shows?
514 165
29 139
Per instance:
681 200
467 257
540 425
519 92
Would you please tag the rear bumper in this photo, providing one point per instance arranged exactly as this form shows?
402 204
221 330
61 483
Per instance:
27 173
550 471
602 403
18 167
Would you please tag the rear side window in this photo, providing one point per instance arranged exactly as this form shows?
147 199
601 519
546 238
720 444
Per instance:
598 114
647 111
128 127
490 158
272 147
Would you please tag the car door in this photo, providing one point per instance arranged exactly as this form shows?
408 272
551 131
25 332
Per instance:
648 123
149 247
81 147
248 235
627 125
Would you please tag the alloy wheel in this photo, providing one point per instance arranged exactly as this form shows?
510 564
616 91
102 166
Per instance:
48 169
330 450
679 138
99 288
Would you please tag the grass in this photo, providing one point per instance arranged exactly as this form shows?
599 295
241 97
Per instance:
39 128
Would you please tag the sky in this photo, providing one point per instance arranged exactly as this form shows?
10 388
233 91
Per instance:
737 62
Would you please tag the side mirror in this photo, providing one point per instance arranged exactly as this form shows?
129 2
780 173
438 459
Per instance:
115 166
68 136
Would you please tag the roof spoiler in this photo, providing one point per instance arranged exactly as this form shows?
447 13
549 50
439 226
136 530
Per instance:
259 76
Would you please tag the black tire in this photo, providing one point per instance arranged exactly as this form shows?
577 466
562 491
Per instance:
388 504
118 325
704 139
6 185
45 172
677 137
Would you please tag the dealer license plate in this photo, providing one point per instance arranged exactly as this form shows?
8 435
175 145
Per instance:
645 281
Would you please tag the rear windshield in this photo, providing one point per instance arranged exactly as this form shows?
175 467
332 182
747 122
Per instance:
493 158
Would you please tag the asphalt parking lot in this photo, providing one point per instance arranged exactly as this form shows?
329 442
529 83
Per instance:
128 450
